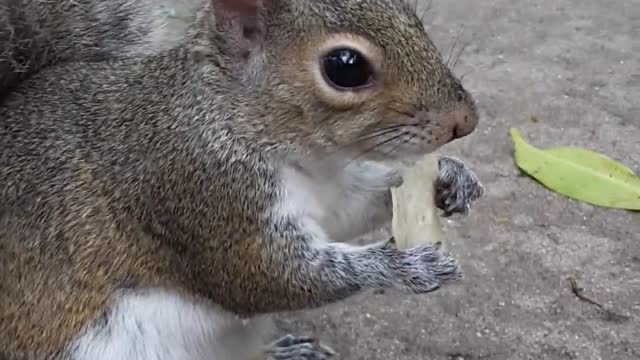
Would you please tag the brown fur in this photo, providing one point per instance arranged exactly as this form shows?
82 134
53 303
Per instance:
163 170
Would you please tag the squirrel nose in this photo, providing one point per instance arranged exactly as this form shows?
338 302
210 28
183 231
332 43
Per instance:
462 120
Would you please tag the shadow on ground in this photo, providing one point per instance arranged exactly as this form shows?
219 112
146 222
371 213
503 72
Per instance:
564 73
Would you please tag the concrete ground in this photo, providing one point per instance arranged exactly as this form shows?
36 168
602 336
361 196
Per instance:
564 72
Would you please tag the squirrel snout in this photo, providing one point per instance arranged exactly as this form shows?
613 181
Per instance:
462 120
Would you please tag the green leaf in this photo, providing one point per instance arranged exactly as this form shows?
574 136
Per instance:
579 174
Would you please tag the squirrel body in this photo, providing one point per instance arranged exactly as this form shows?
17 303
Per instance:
144 195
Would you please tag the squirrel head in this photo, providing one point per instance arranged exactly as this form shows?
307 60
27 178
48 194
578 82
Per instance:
333 75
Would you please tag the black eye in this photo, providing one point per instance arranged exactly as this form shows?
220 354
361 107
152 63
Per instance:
346 69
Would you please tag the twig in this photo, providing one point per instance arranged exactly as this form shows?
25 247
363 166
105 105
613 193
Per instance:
579 293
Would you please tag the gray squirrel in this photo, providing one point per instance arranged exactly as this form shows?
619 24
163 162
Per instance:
153 199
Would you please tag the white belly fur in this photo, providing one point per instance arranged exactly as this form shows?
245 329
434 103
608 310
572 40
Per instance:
158 324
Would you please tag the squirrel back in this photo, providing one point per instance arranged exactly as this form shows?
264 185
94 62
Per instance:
35 34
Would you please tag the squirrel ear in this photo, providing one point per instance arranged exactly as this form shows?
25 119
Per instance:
240 21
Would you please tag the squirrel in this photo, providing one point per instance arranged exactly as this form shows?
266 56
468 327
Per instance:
150 203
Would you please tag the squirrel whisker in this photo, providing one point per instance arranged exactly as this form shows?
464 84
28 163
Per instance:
378 145
425 11
459 54
453 48
413 136
401 112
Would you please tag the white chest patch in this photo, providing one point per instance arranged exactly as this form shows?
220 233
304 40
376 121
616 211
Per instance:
302 200
302 195
338 204
161 325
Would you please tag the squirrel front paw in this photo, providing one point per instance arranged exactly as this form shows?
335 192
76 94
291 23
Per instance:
425 268
394 178
374 175
291 347
456 187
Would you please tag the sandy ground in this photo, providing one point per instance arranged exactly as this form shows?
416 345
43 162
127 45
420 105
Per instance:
564 73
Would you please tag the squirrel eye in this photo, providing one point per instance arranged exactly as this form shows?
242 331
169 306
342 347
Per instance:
346 69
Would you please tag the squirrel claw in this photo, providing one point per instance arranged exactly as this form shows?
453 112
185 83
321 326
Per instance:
456 187
292 347
425 268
